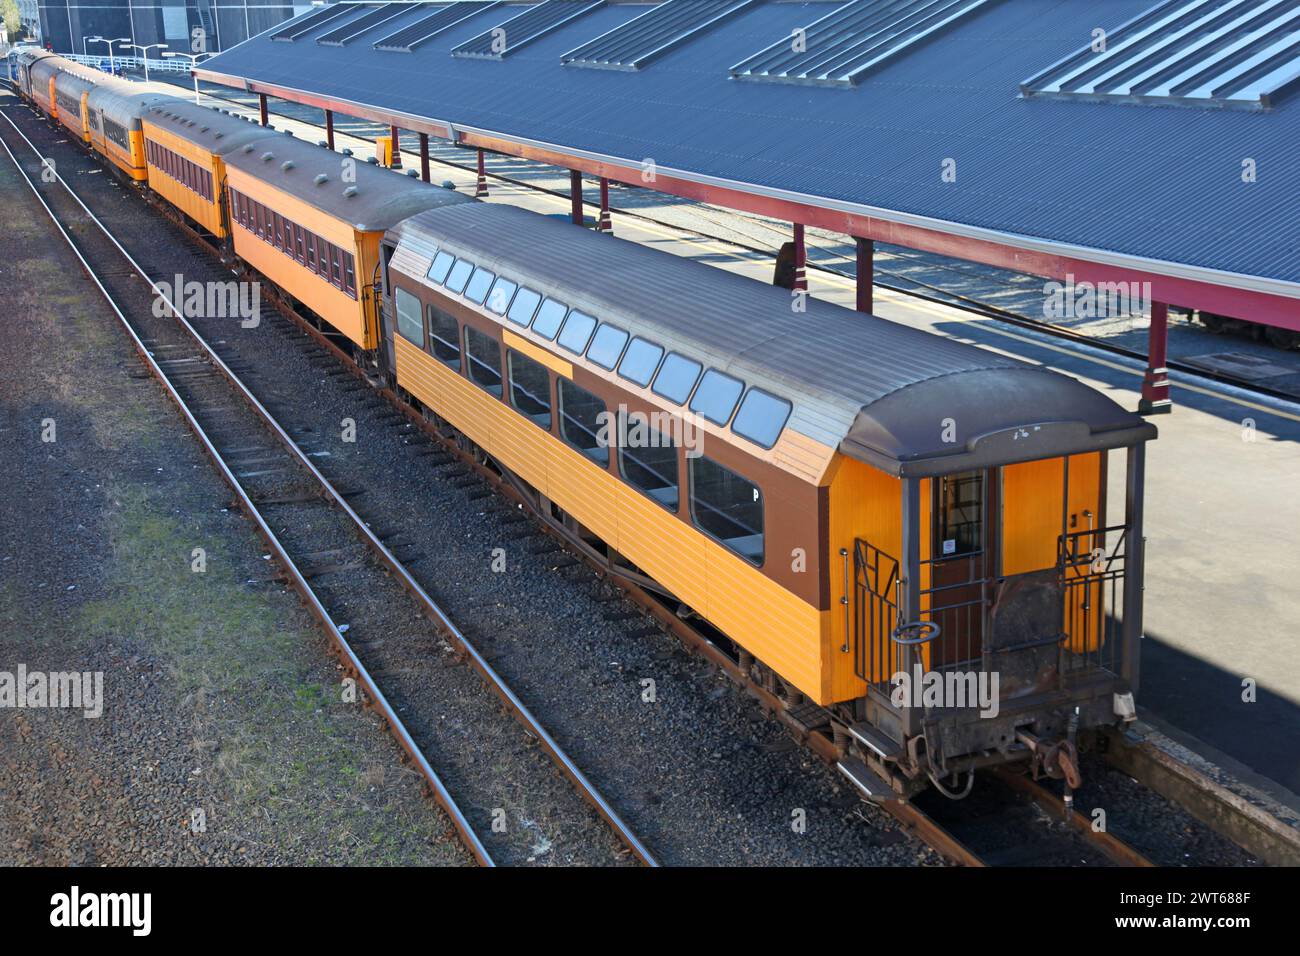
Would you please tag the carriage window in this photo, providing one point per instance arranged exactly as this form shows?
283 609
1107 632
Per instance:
761 418
459 275
477 289
960 529
522 309
717 395
648 459
484 360
408 317
444 337
530 388
498 299
728 507
549 317
577 332
607 346
441 266
640 361
676 378
583 422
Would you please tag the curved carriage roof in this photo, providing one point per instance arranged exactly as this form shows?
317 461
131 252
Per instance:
73 82
372 200
214 130
125 102
874 389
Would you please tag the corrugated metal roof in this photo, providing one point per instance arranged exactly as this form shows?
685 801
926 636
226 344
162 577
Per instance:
1156 181
525 27
1222 52
847 44
209 128
665 26
413 35
844 372
299 26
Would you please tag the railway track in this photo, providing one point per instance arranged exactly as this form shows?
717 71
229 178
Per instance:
903 284
380 621
947 840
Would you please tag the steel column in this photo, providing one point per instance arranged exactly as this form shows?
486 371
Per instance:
575 197
800 259
480 188
866 273
261 108
1134 564
605 224
909 606
329 128
424 156
1155 384
397 148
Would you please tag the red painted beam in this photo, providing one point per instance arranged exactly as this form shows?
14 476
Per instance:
1269 308
329 128
800 259
397 147
424 156
480 188
261 108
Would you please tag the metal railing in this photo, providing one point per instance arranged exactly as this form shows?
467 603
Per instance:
1092 578
101 62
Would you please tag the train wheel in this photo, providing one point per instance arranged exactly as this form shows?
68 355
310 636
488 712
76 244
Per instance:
1281 338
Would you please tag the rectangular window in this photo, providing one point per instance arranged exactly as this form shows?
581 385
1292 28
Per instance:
409 325
444 337
607 346
640 361
584 421
577 332
299 244
761 418
523 307
727 507
716 397
647 459
476 289
676 378
498 299
311 251
549 317
441 266
459 275
349 275
960 528
484 360
323 259
530 388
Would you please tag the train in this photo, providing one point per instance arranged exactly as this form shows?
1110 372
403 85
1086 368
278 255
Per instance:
915 546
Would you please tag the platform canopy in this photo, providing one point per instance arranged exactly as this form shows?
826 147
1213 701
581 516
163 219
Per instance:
989 130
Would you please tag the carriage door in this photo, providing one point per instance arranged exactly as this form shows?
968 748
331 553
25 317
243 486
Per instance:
956 594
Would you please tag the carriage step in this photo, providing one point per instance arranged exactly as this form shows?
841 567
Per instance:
865 779
886 747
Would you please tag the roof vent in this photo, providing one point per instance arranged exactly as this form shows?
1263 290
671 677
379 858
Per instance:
372 160
322 143
268 156
203 129
350 191
321 179
248 147
288 132
412 173
287 165
347 151
219 135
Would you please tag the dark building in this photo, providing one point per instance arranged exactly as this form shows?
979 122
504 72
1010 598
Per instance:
188 26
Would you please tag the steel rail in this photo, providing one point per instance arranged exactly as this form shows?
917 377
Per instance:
439 790
431 608
1115 849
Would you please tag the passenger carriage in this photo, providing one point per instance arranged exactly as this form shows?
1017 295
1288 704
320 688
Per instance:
844 498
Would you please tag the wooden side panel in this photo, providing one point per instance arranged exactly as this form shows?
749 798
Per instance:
335 306
864 503
208 214
773 624
1032 513
130 162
